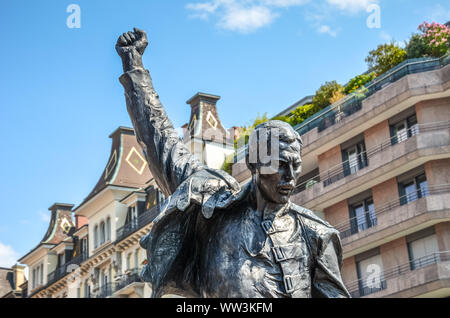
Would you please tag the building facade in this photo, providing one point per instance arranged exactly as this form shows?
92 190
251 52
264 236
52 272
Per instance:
377 167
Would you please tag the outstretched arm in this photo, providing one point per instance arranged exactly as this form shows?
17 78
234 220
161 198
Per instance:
168 158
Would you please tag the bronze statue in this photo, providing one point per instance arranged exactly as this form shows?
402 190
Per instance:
212 237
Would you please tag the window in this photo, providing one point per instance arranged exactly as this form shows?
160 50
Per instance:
362 215
404 129
60 260
423 248
38 275
129 261
354 158
96 236
84 247
108 229
413 189
369 268
102 233
136 259
34 278
87 290
42 274
132 217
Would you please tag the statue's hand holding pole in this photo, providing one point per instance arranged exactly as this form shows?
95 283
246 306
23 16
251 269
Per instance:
131 46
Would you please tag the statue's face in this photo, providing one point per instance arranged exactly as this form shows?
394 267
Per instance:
277 187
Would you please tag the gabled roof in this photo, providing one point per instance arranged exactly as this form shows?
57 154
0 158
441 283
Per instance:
60 228
126 166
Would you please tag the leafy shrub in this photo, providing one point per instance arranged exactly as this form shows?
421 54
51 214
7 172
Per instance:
325 93
417 47
300 114
228 164
385 57
245 132
358 82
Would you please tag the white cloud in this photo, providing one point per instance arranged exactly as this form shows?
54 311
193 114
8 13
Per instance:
352 6
8 256
246 16
327 30
247 20
243 16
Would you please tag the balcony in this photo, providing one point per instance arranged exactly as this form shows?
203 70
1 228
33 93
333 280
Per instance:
136 224
422 142
118 288
65 269
415 278
414 211
398 89
352 103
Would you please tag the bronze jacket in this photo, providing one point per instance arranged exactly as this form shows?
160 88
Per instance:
209 240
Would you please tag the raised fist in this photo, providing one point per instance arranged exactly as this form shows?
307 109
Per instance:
130 46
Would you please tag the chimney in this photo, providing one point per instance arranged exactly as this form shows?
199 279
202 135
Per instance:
204 122
19 276
80 221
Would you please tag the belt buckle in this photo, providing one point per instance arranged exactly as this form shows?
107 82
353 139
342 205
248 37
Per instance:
288 285
279 254
268 227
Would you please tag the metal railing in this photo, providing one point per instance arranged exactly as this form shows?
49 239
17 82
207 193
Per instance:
353 102
135 224
348 228
362 287
349 167
105 291
65 269
109 289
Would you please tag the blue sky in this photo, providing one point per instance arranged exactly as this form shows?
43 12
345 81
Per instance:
60 95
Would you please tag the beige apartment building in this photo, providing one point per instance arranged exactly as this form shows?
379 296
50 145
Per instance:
377 167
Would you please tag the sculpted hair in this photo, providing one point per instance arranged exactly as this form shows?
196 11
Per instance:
287 136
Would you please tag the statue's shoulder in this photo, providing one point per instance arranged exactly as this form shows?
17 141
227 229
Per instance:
309 218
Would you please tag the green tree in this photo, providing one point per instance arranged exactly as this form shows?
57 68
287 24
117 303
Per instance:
417 47
325 93
385 57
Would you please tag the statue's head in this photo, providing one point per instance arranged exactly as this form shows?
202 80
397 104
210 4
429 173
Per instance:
274 158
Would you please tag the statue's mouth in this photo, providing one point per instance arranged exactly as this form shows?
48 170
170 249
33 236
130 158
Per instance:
285 189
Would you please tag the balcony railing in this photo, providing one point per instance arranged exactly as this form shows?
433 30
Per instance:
135 224
65 269
344 169
363 287
347 228
109 289
105 291
353 103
